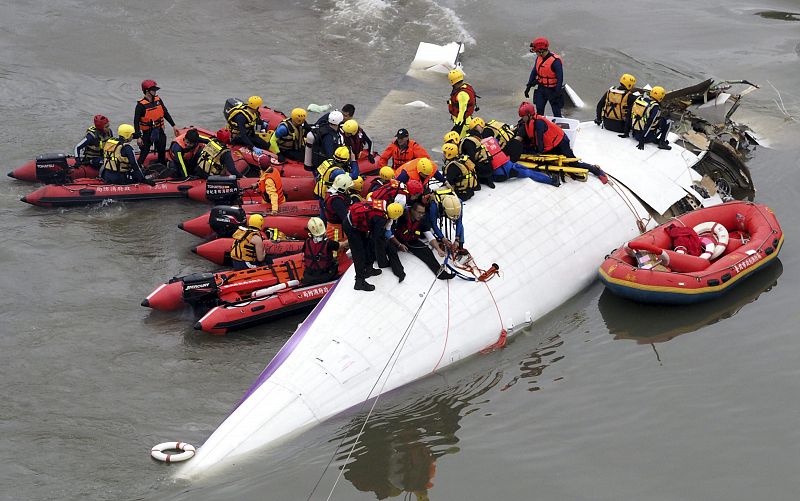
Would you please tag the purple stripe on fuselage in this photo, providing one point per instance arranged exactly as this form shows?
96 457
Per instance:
287 349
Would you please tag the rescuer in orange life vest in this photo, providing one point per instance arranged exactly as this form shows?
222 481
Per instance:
540 136
547 75
148 120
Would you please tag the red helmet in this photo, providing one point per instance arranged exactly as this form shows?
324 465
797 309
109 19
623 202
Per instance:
414 187
540 43
100 122
224 135
526 108
149 84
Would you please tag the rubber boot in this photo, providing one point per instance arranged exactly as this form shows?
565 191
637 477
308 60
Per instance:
363 285
664 145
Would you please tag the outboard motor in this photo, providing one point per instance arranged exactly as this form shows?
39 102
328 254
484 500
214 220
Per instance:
223 190
200 290
52 168
224 219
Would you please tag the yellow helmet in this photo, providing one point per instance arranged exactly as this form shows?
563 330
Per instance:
299 115
386 173
342 154
452 206
255 102
452 137
658 93
450 151
125 131
316 227
255 221
425 167
455 76
627 80
350 127
394 210
358 184
476 122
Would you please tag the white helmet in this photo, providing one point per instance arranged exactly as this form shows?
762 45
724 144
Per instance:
316 227
342 183
335 117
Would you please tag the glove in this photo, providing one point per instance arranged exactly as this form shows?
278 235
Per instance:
624 135
257 151
528 91
149 182
640 145
281 158
371 157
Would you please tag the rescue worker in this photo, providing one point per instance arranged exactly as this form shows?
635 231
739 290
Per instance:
183 152
413 234
247 250
443 205
366 230
547 75
504 168
327 171
348 111
322 140
289 139
270 186
148 122
540 136
319 255
395 191
614 107
472 147
90 150
243 120
337 202
401 150
504 134
385 174
647 125
357 140
119 163
356 189
463 101
215 158
459 171
422 170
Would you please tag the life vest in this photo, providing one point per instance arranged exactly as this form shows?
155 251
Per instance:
243 248
317 155
318 256
355 142
95 151
388 191
251 118
113 159
453 104
495 152
324 172
466 179
188 154
153 115
294 140
501 131
410 168
616 105
210 159
552 136
401 156
436 198
545 75
407 230
362 212
640 110
481 155
330 214
276 178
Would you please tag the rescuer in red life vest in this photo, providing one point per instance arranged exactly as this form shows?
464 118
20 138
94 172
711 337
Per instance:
540 136
366 228
148 120
319 262
412 234
547 75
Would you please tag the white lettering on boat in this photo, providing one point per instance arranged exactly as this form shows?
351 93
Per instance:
743 265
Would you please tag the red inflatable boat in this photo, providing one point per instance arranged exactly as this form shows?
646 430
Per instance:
736 239
222 221
58 168
219 251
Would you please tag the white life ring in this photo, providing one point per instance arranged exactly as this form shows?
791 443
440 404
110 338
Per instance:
158 452
713 250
